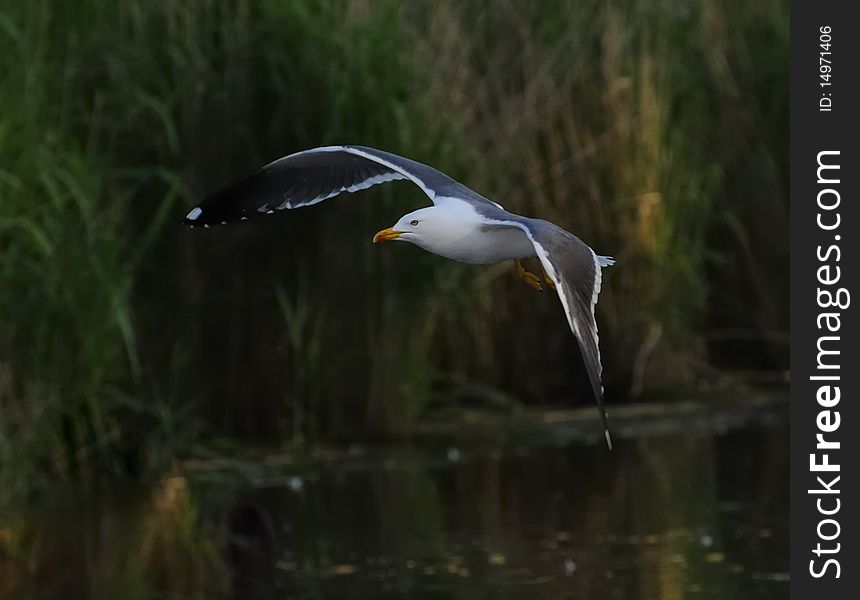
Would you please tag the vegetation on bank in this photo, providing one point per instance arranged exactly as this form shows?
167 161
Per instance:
654 130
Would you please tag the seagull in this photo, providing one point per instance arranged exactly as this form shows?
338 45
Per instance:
462 225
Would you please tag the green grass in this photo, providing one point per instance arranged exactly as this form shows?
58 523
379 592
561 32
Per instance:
653 131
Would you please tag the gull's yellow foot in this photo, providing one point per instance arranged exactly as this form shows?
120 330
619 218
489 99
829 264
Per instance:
548 281
530 278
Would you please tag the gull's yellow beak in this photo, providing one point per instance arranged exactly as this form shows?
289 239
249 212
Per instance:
385 235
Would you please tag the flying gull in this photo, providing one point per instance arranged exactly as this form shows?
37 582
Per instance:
461 225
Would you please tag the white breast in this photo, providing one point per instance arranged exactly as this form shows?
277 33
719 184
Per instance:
464 236
491 246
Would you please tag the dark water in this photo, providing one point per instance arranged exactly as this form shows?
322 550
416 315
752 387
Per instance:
689 513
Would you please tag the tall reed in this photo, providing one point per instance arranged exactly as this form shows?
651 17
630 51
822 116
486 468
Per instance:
630 123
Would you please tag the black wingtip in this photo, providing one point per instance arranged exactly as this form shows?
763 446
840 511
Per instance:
604 416
196 219
232 203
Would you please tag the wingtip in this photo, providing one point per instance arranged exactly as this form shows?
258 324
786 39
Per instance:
608 438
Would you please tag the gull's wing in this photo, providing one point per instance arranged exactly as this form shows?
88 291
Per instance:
311 176
576 271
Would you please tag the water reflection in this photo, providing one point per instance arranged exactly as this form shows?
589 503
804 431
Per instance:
674 515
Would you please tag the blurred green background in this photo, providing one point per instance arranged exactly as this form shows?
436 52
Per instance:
655 130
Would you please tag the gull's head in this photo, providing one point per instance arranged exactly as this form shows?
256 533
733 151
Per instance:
421 227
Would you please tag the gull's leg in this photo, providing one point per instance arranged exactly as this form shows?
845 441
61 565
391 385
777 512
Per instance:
530 278
547 278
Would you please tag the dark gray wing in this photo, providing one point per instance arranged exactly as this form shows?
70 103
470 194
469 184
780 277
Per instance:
576 271
311 176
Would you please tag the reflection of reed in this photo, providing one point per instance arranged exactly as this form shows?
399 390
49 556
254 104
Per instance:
646 522
572 524
102 544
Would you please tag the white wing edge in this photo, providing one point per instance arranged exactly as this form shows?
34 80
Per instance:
599 262
356 152
362 185
404 174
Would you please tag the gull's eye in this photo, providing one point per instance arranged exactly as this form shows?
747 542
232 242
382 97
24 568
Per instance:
414 222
